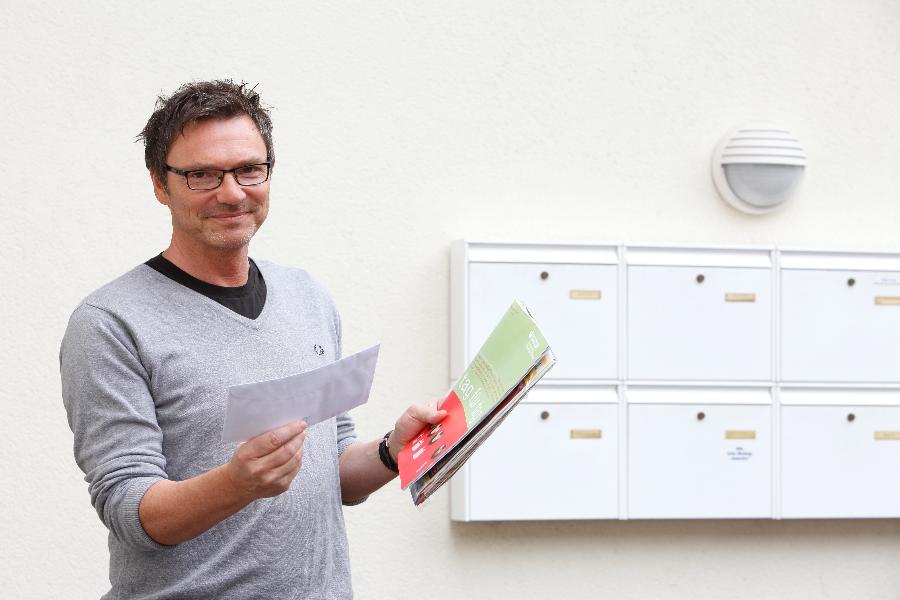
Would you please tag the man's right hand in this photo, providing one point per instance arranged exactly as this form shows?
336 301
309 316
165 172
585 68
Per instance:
266 465
172 512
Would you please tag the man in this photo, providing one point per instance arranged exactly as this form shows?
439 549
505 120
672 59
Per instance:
146 360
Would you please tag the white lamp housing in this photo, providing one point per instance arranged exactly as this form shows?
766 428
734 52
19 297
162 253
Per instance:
758 166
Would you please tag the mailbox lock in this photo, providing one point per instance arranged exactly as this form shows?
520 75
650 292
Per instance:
701 278
544 274
851 417
701 416
851 282
545 415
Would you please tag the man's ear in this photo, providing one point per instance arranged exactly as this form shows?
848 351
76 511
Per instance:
159 190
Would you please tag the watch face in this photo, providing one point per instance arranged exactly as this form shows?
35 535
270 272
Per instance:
436 437
439 450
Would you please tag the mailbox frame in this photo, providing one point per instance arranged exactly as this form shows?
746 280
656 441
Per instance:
626 392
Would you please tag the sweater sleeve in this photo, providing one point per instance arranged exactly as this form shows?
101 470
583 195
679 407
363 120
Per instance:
346 430
118 442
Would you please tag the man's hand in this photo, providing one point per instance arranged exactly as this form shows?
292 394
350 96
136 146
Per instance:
172 512
362 471
266 465
411 423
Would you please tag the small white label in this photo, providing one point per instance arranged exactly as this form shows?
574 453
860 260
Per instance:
740 454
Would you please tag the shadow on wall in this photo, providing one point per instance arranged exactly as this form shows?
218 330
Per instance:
675 534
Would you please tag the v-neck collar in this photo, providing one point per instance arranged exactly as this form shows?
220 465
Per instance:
254 324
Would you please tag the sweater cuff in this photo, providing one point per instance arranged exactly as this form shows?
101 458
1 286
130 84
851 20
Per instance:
344 443
132 530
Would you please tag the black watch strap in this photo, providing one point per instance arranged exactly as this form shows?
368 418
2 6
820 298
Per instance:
385 455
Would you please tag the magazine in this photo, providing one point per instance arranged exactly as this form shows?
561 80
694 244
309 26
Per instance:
513 358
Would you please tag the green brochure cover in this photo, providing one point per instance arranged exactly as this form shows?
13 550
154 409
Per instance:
515 355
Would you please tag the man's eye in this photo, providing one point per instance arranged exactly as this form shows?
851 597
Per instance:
199 174
249 170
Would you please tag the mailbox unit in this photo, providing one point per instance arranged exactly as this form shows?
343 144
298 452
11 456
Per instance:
693 382
841 317
572 421
840 452
572 443
699 315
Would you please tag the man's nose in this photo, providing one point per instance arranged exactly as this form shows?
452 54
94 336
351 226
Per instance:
230 191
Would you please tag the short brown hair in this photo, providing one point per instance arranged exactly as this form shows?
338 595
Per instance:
198 101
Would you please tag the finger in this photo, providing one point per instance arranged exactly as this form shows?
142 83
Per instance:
266 443
282 454
426 414
290 467
414 420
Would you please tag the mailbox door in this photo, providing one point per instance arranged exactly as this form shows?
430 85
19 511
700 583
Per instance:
699 323
548 461
699 461
840 326
840 461
576 307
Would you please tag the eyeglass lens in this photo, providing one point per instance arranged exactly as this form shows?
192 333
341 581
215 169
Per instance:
210 179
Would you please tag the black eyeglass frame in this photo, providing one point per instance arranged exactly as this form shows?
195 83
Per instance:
222 173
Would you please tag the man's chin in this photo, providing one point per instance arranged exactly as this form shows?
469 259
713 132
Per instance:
230 240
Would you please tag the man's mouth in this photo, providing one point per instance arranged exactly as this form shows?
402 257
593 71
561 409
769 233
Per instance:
227 217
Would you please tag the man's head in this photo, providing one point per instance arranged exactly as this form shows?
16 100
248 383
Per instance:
199 101
209 152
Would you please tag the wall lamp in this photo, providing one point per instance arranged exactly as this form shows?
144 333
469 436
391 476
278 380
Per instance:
758 166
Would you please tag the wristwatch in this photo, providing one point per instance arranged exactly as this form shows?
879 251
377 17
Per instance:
385 454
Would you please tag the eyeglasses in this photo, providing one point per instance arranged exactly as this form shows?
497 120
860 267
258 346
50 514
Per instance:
210 179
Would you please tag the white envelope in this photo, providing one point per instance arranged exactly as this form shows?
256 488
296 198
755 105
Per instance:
314 396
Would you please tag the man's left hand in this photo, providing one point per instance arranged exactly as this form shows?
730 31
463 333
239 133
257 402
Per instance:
411 423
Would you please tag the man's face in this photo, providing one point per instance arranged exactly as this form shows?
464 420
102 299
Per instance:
227 217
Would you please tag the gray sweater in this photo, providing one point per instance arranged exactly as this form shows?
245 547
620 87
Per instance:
145 362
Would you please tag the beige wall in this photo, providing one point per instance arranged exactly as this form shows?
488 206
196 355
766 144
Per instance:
401 126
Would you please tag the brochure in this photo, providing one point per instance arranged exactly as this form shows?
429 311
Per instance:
513 358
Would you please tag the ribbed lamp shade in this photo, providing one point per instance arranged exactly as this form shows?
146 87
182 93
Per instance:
758 166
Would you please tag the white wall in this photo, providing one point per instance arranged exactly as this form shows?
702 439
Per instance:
401 126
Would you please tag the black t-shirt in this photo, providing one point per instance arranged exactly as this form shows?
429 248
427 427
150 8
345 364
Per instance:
246 300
